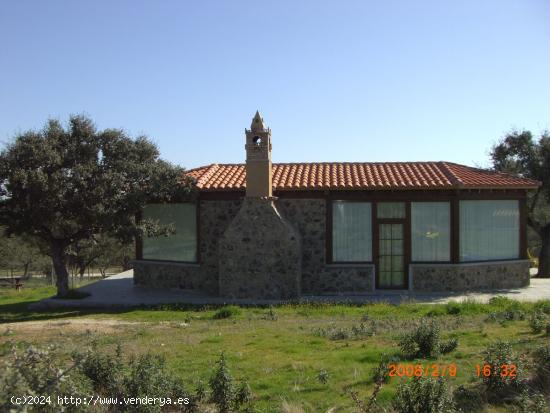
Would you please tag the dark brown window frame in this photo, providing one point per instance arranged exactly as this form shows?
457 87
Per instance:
453 197
522 232
329 233
139 240
441 195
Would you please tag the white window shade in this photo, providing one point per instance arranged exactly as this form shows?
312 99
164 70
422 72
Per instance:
181 246
430 231
351 231
489 230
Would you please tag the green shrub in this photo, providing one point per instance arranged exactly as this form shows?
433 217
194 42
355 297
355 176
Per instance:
39 372
541 359
143 376
147 375
512 314
227 311
537 322
423 395
453 308
424 341
543 306
505 302
47 372
355 332
104 370
323 376
448 346
243 395
507 309
271 314
223 392
531 403
380 374
200 391
221 384
498 385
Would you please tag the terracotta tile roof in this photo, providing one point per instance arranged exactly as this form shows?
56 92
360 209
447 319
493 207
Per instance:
359 176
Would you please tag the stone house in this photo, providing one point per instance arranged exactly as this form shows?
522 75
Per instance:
278 231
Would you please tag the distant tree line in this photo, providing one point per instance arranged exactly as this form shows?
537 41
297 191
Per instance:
25 256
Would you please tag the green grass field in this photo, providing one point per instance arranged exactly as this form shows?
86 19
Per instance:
279 350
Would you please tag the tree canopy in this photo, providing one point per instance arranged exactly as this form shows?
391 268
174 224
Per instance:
65 184
521 154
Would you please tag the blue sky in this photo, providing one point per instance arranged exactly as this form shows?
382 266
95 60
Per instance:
335 81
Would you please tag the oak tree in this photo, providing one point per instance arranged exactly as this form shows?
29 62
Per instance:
521 154
65 184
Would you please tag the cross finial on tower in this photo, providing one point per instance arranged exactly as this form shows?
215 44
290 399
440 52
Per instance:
257 123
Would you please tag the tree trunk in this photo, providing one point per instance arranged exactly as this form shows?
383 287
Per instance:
60 267
126 265
26 271
544 256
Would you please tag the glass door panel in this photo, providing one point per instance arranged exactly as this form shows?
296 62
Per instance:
391 260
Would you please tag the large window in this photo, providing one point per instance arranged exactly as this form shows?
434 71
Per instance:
351 231
430 231
489 230
180 246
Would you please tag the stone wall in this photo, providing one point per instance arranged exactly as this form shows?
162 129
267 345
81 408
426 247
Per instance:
469 276
308 216
215 217
259 254
165 274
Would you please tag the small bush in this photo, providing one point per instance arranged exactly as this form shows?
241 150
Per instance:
323 377
221 384
537 322
424 341
453 308
507 309
46 372
499 386
227 311
223 392
448 346
243 395
541 360
104 370
35 371
147 375
380 374
271 315
543 306
200 391
531 403
355 332
506 315
423 395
